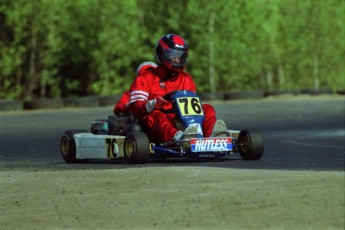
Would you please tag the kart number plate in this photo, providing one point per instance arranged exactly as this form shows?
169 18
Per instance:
190 106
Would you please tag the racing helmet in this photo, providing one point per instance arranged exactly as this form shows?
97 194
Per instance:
172 52
145 65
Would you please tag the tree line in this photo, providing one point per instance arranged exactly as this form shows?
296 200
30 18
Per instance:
63 48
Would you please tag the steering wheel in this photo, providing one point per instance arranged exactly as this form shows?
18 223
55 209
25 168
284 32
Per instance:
169 95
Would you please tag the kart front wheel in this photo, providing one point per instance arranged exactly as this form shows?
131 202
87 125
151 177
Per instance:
68 146
136 148
250 144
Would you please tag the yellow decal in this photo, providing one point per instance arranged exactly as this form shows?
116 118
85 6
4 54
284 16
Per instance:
190 106
110 144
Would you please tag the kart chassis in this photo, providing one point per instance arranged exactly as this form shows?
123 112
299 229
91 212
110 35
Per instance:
119 137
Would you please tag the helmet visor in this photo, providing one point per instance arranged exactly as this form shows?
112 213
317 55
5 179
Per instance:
176 57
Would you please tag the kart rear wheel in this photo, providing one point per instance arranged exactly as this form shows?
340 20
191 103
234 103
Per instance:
136 148
250 144
68 146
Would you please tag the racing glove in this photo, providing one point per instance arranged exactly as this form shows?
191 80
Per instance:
156 103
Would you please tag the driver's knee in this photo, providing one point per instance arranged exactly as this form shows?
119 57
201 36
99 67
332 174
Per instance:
210 119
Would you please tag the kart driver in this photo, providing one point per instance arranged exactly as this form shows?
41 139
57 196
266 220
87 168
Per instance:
121 105
149 87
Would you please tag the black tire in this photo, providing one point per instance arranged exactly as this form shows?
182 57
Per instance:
250 144
211 96
131 127
44 103
245 94
68 146
136 148
89 101
108 100
7 105
317 91
282 92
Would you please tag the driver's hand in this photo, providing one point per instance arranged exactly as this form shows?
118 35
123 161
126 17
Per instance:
156 103
160 102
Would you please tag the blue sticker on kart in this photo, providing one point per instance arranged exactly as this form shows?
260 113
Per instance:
213 144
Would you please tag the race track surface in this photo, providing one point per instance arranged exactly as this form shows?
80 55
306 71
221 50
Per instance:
298 184
300 133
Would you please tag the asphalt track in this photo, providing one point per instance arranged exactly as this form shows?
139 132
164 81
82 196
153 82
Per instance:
303 133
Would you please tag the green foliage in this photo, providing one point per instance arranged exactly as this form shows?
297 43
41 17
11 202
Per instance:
69 48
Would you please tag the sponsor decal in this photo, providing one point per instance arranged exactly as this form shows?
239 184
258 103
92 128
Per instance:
206 155
211 144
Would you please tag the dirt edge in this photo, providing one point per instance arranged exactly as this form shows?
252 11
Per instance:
171 198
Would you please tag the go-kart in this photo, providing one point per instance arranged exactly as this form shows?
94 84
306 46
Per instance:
121 137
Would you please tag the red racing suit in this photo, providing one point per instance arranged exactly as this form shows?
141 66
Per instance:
161 126
121 104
